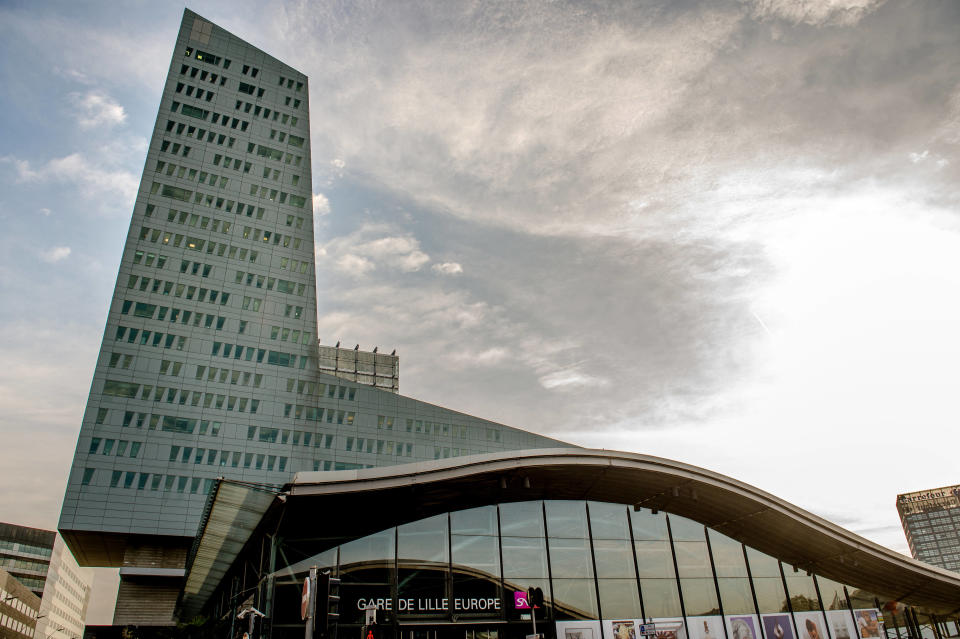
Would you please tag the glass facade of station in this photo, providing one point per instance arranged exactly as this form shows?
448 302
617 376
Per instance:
604 569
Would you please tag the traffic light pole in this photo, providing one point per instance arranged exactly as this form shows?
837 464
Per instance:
311 605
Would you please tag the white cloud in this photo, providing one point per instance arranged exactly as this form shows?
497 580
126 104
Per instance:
448 268
44 211
90 178
919 157
570 377
321 205
55 254
96 108
374 246
815 12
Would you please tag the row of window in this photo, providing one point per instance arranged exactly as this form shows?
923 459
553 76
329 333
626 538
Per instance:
186 173
262 281
212 138
270 153
130 390
138 257
208 456
249 353
209 58
24 547
235 377
385 422
108 447
221 119
276 195
15 625
228 162
290 83
167 287
288 335
264 112
188 89
203 75
194 220
204 320
154 482
10 563
332 391
316 414
253 233
168 340
379 446
172 424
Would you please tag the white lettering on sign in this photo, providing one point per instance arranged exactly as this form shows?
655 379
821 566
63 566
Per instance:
379 604
431 604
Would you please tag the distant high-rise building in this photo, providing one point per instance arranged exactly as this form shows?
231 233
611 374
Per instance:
18 608
931 522
209 365
39 560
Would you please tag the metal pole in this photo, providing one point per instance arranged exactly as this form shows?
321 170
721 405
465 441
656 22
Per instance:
253 618
533 615
311 606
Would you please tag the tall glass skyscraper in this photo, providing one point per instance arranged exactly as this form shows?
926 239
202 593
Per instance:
208 365
931 523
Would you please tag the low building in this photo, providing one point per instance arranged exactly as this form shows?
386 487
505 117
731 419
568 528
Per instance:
19 607
614 540
931 522
40 560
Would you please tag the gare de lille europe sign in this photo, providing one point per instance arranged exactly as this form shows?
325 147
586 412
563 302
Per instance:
430 604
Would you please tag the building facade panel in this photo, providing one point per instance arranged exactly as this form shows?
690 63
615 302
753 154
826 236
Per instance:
931 523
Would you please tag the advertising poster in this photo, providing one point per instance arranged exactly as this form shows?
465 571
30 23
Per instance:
670 628
621 628
743 627
810 625
778 626
705 627
841 624
869 622
578 630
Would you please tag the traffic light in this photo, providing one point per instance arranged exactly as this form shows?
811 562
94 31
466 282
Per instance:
328 604
535 597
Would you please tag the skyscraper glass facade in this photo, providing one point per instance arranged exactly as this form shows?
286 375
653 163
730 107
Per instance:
209 360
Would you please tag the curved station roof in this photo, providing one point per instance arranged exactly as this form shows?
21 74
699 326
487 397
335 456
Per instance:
399 494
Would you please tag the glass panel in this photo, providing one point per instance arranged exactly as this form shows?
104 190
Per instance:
570 558
803 594
699 596
476 521
727 556
566 519
575 598
654 559
770 595
832 594
524 557
767 583
614 558
422 561
620 598
693 560
476 574
608 521
660 597
735 595
684 529
647 526
521 519
370 559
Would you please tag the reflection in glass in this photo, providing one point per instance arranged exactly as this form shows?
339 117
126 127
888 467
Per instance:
575 599
684 529
524 557
423 558
370 559
647 526
660 597
832 594
570 558
699 596
732 581
567 519
620 598
767 583
521 519
803 594
475 521
608 521
614 558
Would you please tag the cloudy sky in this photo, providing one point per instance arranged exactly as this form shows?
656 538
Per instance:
724 232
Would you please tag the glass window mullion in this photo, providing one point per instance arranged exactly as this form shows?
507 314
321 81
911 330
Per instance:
676 573
716 582
786 592
636 565
593 559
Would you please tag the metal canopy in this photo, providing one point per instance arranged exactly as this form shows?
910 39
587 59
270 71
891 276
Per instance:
234 511
398 494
